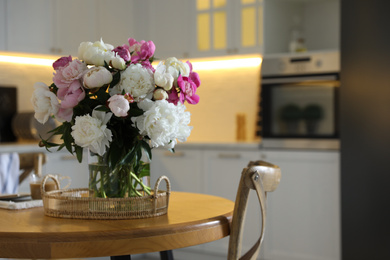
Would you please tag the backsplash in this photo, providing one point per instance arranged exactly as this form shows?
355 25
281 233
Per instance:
224 93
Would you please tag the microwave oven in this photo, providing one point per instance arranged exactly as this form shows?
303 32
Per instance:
299 100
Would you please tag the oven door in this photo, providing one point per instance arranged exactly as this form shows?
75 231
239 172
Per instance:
299 107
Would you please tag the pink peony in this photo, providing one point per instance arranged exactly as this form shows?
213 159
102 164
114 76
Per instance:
193 75
141 51
64 76
70 97
64 114
62 62
187 90
146 64
173 96
123 52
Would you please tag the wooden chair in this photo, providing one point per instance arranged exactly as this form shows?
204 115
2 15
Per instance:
31 162
262 177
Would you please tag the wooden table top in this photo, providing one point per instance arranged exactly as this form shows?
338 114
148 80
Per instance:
192 219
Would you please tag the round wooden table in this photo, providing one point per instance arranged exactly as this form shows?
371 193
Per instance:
192 219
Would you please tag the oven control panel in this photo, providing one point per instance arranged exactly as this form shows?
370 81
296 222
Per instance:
301 64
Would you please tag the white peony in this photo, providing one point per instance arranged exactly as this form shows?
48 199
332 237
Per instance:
164 76
96 77
92 132
135 80
44 101
163 122
98 52
119 105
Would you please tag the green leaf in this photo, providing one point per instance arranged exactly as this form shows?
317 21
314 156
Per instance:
79 153
103 108
145 170
67 137
127 159
115 79
147 149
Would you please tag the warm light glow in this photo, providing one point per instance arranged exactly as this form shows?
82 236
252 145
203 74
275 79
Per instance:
27 60
216 63
227 63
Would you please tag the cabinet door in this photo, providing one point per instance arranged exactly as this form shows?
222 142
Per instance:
226 27
65 164
222 175
29 26
115 21
168 26
248 26
183 168
75 22
3 17
304 211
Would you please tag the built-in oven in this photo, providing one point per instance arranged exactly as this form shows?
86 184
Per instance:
299 101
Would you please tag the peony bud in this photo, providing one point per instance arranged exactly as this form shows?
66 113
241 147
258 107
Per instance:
122 52
119 105
160 94
62 62
96 77
118 63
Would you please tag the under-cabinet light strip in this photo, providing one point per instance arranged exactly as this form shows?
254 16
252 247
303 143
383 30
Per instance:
26 60
198 65
227 64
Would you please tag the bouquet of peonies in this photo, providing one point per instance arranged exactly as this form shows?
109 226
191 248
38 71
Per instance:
115 103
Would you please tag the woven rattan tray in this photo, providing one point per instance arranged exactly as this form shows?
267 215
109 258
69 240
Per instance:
76 203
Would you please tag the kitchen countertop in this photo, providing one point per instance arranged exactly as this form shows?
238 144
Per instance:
32 146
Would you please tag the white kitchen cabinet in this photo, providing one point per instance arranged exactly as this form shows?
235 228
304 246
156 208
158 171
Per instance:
29 26
75 22
167 25
3 28
183 168
115 21
58 27
304 211
226 27
317 22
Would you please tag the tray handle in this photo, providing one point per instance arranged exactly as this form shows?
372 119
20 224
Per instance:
44 183
156 195
158 184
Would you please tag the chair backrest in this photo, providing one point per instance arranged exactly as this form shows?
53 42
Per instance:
31 162
262 177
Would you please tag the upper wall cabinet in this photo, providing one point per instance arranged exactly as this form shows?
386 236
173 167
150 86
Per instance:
311 25
225 27
58 27
2 24
29 26
201 28
167 23
74 22
90 20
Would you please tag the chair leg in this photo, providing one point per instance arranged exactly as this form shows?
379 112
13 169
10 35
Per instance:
166 255
121 257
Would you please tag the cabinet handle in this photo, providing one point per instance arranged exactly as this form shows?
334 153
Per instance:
229 156
68 158
175 154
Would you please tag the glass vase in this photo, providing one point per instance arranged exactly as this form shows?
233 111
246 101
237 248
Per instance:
120 180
